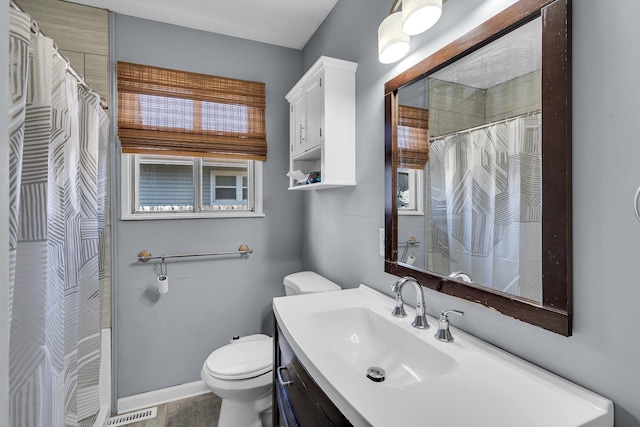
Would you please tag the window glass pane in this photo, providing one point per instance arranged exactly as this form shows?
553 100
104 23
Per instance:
162 112
165 185
228 181
224 178
224 117
207 188
403 189
226 194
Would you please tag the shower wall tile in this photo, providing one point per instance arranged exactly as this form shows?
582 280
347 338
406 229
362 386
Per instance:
73 26
517 96
81 33
454 107
481 103
434 129
453 97
76 59
449 122
96 72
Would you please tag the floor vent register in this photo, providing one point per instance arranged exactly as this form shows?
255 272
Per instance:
133 417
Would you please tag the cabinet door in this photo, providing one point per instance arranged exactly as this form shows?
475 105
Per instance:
301 403
315 112
298 125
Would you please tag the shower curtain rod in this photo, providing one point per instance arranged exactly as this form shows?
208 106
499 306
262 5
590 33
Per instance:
35 29
530 113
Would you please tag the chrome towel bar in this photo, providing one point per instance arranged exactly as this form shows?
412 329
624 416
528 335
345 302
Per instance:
144 256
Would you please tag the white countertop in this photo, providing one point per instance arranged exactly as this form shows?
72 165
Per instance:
464 383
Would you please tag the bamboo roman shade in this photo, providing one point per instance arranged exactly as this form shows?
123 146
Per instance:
163 111
413 137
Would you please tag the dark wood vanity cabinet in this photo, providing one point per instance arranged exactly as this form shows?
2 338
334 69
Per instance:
297 400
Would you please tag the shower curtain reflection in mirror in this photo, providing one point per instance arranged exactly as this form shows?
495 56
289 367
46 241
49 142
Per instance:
485 205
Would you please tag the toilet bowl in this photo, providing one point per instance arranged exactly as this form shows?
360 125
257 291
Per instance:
241 372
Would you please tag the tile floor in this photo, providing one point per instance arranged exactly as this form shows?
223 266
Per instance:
197 411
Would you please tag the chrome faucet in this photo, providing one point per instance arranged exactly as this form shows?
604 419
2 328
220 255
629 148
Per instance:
444 334
420 321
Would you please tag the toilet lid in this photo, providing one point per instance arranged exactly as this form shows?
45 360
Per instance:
241 360
309 282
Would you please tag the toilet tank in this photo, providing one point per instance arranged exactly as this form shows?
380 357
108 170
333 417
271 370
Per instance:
308 282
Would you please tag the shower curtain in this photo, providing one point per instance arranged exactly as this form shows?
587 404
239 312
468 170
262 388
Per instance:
57 135
486 206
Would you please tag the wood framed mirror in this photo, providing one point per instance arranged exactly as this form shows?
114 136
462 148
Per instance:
535 284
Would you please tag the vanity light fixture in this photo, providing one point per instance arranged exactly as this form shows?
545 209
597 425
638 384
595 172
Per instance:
393 43
420 15
394 32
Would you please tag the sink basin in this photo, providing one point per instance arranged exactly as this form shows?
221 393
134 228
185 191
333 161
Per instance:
363 338
338 335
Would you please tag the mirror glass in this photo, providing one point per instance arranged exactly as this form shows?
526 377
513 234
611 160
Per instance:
478 166
472 211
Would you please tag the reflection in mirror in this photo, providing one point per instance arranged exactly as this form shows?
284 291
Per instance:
482 181
478 197
410 193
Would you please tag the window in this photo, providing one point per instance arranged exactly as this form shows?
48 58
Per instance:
160 187
227 186
410 192
192 144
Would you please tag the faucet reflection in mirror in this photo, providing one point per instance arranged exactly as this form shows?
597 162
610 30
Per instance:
416 17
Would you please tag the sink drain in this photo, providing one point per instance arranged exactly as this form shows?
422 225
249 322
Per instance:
375 374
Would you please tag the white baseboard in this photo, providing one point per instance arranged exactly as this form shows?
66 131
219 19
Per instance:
158 397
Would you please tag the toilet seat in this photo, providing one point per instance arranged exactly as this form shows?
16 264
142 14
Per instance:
241 360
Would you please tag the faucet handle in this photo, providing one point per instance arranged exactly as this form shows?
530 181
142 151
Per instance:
444 334
399 311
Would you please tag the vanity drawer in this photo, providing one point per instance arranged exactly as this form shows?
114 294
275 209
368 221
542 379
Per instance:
301 402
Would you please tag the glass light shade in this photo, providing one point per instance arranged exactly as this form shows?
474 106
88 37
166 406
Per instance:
393 44
420 15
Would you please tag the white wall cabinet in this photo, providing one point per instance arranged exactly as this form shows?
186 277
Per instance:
322 124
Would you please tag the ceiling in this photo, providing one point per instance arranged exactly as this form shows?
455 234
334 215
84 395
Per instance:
514 55
288 23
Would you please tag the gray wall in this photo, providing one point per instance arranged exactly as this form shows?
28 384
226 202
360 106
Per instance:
163 340
4 220
341 226
211 300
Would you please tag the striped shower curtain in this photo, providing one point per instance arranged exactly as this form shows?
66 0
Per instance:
57 133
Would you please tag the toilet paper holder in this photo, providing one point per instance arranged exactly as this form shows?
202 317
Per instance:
163 279
163 269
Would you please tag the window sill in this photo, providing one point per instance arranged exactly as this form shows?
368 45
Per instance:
190 215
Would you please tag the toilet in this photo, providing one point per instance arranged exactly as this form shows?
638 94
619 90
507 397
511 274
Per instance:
241 371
